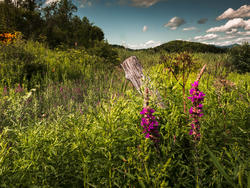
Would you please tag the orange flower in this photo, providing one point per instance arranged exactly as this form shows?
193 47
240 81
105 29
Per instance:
7 38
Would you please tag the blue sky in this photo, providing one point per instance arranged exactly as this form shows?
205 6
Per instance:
148 23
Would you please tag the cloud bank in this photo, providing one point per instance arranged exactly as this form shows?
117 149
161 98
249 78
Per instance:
230 42
242 12
139 3
189 28
232 24
148 44
144 3
206 37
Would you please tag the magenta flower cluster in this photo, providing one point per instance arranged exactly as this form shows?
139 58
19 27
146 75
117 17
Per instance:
197 97
149 124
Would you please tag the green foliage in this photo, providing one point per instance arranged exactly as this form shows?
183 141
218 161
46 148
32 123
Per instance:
31 63
20 63
80 126
55 23
240 58
105 51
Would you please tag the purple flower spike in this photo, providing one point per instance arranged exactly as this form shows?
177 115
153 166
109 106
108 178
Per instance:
151 110
5 91
191 91
191 132
195 84
144 111
149 124
191 110
196 98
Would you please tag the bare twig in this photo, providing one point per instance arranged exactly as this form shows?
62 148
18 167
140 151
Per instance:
175 76
146 97
201 72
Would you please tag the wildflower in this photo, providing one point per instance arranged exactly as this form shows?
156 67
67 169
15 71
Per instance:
6 38
149 124
196 109
5 91
19 89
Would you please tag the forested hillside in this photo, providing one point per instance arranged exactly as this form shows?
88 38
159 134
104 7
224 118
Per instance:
181 46
53 23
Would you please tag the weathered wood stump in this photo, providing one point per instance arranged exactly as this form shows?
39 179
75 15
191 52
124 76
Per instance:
133 72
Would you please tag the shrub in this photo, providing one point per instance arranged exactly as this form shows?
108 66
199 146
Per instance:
240 57
105 51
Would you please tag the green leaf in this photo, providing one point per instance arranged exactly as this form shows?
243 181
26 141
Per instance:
219 166
127 174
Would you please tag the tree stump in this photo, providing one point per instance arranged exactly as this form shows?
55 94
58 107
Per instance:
133 72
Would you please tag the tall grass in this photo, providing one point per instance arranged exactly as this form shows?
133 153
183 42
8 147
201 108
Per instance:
77 124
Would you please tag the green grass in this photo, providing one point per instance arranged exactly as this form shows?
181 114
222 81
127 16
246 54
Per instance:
77 123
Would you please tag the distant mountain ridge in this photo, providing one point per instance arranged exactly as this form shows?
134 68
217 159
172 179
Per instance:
228 46
180 46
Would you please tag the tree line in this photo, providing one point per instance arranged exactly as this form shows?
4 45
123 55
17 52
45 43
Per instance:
53 23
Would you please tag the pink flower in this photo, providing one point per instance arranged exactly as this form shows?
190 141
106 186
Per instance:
149 124
196 98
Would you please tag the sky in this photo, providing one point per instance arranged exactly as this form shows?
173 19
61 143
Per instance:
140 24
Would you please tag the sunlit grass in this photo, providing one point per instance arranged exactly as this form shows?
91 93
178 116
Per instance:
77 123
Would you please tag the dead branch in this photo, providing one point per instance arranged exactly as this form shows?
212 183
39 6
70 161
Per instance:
201 72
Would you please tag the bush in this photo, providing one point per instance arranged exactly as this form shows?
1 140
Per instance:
30 63
105 51
240 57
19 63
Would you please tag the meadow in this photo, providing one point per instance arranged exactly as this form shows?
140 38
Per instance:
69 118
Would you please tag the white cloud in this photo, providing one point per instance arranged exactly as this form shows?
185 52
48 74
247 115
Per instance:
234 30
206 37
242 12
47 2
189 28
227 37
230 42
145 28
148 44
242 33
144 3
82 3
85 3
175 22
232 24
242 39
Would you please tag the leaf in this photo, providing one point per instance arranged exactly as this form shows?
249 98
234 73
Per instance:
127 174
141 182
248 179
219 166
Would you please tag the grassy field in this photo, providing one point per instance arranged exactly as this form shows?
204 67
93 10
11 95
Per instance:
71 119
